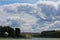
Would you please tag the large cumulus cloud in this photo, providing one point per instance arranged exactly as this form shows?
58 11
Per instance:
31 17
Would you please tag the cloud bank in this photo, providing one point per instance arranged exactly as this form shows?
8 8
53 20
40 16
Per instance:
44 15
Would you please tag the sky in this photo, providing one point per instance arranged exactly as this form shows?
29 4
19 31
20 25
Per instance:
30 15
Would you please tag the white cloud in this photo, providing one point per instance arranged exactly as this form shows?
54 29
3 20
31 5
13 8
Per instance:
27 20
52 3
12 13
43 15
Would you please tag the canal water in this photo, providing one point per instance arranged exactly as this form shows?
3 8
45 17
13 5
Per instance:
31 39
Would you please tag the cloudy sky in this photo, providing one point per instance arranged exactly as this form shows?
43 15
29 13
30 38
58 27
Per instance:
30 15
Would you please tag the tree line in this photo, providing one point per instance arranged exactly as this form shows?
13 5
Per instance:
48 34
7 31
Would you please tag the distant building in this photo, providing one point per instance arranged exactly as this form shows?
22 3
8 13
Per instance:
17 32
